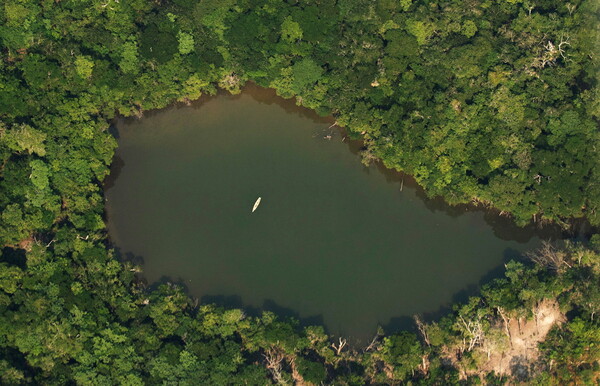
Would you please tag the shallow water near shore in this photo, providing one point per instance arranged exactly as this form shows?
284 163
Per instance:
332 241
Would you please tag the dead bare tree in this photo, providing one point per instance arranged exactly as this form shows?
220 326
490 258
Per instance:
506 321
296 376
274 362
474 332
552 52
548 256
563 42
367 154
375 342
495 342
340 346
422 329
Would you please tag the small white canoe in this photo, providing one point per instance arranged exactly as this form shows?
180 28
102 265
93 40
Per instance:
256 204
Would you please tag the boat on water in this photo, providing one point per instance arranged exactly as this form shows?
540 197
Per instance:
256 204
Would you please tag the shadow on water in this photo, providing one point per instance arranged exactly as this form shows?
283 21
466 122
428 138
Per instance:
269 97
114 131
126 257
407 323
503 226
115 171
227 301
235 301
265 96
393 325
179 282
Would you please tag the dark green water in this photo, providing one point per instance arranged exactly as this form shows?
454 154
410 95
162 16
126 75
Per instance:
332 241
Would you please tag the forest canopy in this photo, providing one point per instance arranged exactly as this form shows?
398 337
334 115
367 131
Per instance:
488 102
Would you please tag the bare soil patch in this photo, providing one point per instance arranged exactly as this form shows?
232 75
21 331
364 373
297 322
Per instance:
524 337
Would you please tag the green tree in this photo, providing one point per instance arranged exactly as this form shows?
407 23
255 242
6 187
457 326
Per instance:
290 30
404 352
84 66
129 62
186 42
306 72
24 138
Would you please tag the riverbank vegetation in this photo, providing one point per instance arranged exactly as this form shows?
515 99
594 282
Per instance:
74 313
494 103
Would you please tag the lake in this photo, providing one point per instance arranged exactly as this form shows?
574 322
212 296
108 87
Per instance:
332 241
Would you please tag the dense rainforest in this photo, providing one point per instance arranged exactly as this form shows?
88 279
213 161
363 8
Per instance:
491 102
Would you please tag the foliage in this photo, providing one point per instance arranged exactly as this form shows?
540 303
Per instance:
494 102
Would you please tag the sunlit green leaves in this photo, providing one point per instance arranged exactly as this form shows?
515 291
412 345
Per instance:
84 66
129 57
422 30
186 42
290 30
24 138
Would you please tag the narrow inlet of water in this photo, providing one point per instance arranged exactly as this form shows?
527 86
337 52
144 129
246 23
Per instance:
332 241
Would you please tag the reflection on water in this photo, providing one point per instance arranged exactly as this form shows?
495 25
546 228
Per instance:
332 241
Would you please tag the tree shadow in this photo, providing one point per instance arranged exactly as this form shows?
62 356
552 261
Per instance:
268 96
126 257
285 313
114 131
519 368
406 322
116 167
179 282
393 325
400 323
14 256
230 301
504 227
262 95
